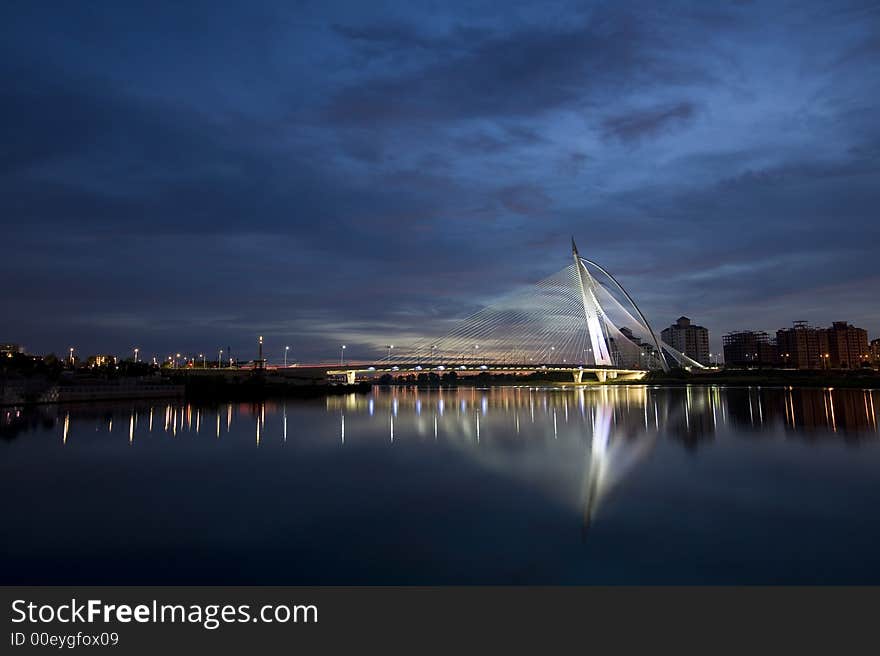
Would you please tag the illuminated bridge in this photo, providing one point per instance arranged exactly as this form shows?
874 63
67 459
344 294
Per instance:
579 321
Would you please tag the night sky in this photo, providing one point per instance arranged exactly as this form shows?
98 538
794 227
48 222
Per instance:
182 176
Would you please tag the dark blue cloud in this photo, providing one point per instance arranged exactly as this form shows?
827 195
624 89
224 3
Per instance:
183 176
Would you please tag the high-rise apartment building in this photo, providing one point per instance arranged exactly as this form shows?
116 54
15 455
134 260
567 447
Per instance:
690 339
749 348
847 346
802 346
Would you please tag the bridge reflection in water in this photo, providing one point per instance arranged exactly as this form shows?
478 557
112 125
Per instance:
688 414
668 484
618 426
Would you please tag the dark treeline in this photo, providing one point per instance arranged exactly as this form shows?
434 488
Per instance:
53 368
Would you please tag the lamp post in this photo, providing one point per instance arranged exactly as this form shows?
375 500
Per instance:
136 351
220 359
389 347
342 356
202 356
71 356
286 349
433 351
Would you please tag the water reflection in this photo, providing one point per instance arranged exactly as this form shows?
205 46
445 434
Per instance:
616 426
690 414
499 484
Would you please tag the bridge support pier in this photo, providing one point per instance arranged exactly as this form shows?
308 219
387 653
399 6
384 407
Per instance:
349 377
602 376
578 376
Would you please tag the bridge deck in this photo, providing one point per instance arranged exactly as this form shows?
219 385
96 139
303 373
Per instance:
476 368
602 373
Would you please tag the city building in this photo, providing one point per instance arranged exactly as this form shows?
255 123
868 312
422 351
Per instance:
101 360
8 350
749 348
639 357
802 346
690 339
875 350
847 346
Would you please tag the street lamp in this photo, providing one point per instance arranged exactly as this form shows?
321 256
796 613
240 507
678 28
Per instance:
177 361
202 356
136 351
342 356
286 349
71 356
220 358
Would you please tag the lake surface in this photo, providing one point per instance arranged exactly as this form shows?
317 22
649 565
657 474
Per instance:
405 486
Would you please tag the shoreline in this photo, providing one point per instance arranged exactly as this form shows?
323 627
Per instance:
215 389
245 391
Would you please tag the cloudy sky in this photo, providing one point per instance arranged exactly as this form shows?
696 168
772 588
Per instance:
182 176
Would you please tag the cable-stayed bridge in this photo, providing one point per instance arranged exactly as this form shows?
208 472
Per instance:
580 320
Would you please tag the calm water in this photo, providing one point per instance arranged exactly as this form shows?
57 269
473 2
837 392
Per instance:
498 485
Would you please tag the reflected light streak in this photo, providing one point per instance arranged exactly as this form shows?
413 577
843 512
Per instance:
833 420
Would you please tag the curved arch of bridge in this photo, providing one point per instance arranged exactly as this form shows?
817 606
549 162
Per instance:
567 319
